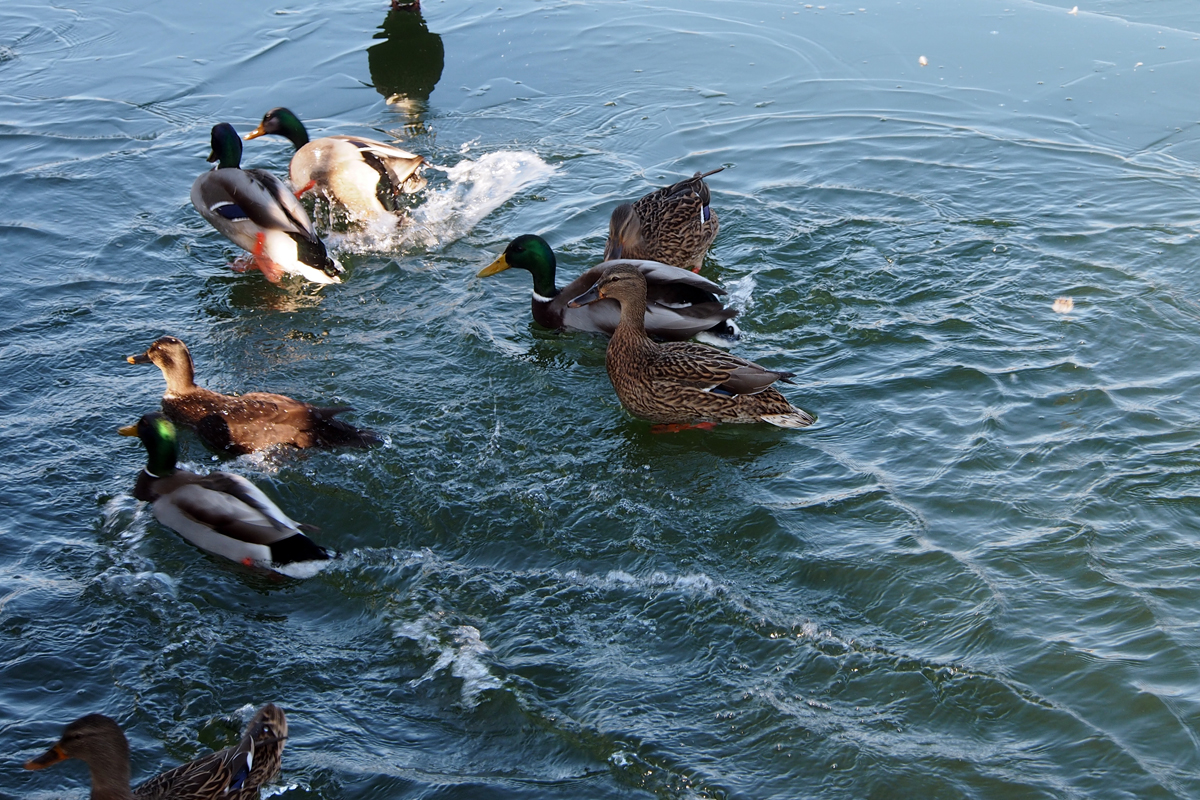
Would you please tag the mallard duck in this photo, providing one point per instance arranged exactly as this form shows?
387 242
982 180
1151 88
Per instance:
674 225
680 306
256 211
234 773
219 512
240 424
683 383
364 176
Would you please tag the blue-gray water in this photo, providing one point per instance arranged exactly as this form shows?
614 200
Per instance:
977 576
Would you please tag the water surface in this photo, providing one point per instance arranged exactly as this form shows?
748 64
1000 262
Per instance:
975 577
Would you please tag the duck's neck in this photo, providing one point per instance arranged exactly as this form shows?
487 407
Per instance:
632 326
295 133
110 780
180 375
544 289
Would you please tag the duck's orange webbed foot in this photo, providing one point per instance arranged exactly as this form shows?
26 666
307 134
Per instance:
676 427
306 188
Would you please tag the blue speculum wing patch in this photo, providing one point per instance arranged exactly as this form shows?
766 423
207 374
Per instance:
231 211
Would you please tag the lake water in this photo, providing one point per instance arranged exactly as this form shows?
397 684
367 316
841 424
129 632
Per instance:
976 576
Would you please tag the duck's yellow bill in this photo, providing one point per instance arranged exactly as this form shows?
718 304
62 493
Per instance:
499 265
257 132
128 430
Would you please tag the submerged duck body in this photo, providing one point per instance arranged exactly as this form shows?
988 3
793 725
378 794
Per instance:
674 225
681 304
257 212
361 175
220 512
240 424
235 773
683 383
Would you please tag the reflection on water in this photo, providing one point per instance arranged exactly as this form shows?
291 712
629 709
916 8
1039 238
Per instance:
407 63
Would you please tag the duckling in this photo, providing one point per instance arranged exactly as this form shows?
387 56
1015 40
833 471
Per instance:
220 512
255 211
674 225
683 384
362 175
240 424
680 306
235 773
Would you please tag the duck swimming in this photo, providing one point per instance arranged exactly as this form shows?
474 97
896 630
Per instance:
681 304
240 424
257 212
235 773
220 512
674 225
361 175
683 384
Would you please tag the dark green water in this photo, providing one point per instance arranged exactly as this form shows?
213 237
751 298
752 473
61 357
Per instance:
975 577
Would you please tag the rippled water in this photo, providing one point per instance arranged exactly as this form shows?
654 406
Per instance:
975 577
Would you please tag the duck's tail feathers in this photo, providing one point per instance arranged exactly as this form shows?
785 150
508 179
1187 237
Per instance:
299 548
333 432
796 419
313 253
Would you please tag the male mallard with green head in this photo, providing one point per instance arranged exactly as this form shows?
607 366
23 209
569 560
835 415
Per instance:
681 304
674 225
235 773
362 175
254 210
240 424
683 384
220 512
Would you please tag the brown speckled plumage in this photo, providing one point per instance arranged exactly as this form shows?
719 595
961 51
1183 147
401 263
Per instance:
683 382
674 225
239 424
235 773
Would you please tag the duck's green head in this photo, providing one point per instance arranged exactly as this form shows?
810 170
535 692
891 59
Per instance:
158 435
281 122
226 146
528 252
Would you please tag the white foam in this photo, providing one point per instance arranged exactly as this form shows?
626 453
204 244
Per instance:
473 189
464 657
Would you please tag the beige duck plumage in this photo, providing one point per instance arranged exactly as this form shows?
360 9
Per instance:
364 176
674 225
239 424
683 383
235 773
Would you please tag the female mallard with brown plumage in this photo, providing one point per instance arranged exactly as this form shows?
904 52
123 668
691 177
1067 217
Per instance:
220 512
680 303
364 176
683 384
674 225
235 773
240 424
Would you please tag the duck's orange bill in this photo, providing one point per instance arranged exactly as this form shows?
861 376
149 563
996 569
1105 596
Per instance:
52 756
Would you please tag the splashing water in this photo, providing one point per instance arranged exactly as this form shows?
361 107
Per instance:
447 212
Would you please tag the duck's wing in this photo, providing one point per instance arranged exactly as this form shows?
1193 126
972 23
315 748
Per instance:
231 506
400 165
283 208
711 370
230 197
222 775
